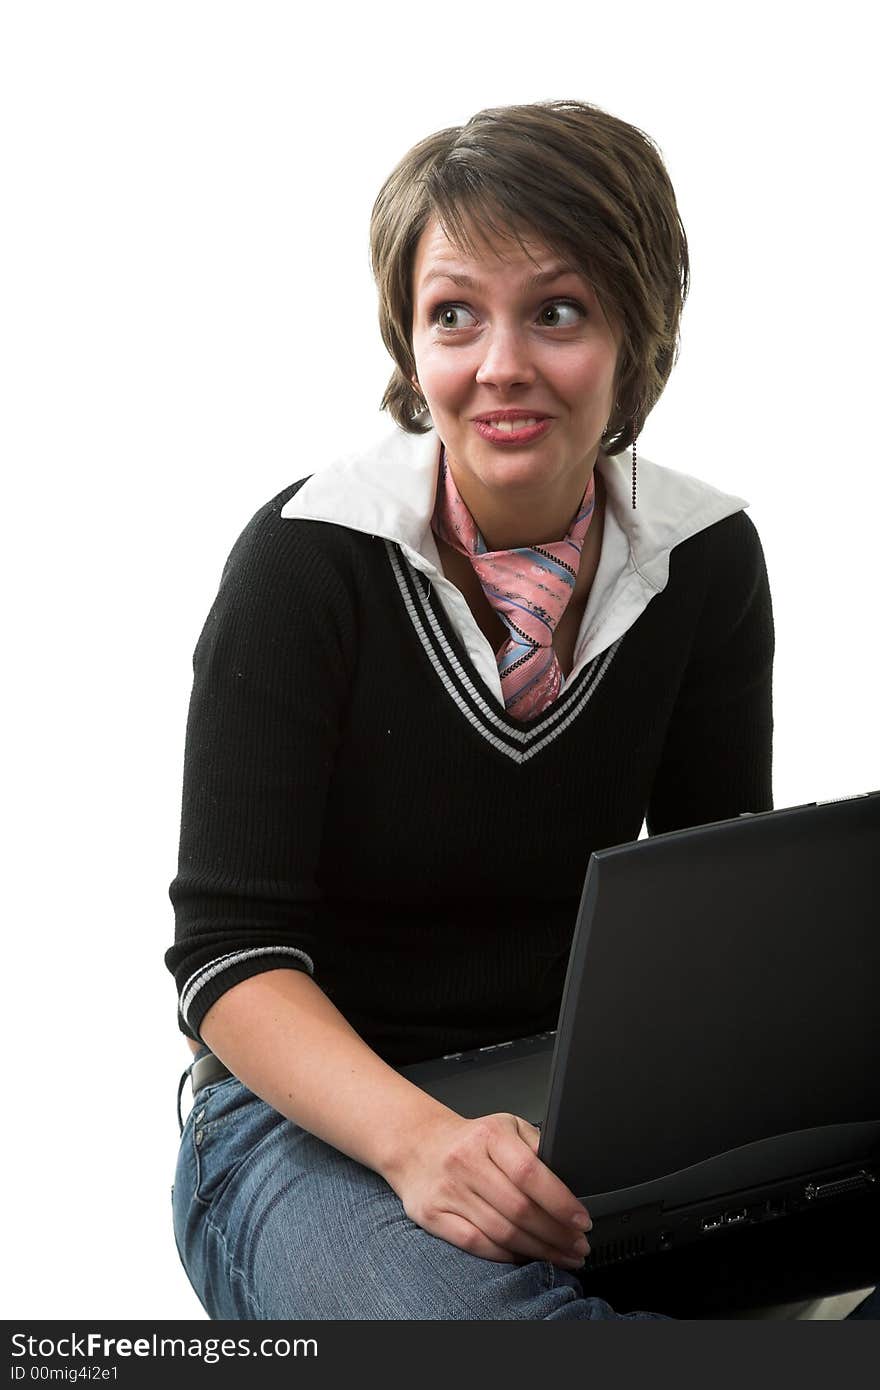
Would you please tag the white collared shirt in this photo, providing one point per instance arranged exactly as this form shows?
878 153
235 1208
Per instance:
389 490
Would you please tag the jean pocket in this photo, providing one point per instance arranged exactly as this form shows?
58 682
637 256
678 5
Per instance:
222 1133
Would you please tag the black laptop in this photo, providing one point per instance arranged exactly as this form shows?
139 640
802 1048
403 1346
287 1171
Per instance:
716 1061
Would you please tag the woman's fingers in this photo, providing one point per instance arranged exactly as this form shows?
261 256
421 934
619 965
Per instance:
460 1231
522 1241
479 1184
536 1193
512 1218
529 1133
505 1190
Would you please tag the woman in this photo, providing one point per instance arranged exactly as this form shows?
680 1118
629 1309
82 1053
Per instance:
436 676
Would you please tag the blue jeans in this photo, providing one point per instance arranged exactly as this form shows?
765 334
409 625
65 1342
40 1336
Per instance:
271 1222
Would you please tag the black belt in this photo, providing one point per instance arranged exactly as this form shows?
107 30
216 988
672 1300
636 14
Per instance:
206 1071
203 1072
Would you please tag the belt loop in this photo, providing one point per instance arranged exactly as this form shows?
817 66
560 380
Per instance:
180 1091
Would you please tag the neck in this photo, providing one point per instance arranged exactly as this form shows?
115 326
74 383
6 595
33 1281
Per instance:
456 566
537 520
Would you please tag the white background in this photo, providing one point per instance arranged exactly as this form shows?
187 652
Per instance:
189 324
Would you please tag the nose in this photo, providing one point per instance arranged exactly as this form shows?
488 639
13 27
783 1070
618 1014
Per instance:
506 360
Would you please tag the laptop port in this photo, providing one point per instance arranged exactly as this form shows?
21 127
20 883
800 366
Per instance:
711 1223
857 1182
733 1218
774 1208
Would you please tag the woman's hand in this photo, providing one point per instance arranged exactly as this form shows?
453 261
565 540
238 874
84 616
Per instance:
480 1185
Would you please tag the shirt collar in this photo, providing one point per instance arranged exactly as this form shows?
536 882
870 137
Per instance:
389 488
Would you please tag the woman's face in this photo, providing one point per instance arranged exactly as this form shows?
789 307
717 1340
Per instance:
488 337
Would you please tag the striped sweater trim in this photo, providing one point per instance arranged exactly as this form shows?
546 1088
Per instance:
518 744
209 971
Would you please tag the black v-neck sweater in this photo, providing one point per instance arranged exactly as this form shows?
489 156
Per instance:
357 804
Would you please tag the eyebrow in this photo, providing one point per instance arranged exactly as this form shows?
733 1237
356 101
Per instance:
468 282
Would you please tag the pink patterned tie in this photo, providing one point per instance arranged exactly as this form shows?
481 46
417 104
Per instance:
529 589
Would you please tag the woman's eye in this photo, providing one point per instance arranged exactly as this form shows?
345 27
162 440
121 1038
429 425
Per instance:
445 315
448 316
555 307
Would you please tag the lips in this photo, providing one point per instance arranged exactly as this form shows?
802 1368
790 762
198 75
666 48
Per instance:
521 429
493 415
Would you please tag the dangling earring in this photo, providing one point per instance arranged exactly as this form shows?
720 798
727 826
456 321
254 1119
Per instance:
634 463
605 436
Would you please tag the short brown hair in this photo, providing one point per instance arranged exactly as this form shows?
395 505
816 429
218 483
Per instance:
586 184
